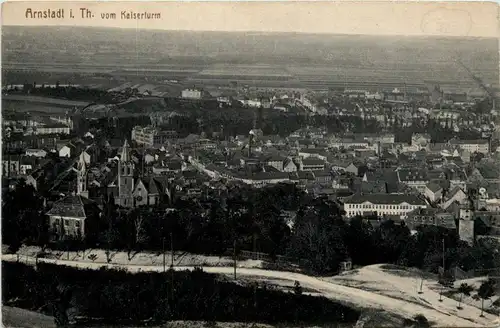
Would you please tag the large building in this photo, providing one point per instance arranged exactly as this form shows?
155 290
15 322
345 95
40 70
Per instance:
480 145
150 136
382 204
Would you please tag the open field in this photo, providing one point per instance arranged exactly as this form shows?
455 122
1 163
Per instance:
273 60
46 100
13 317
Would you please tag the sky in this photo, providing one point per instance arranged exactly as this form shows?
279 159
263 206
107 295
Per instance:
477 19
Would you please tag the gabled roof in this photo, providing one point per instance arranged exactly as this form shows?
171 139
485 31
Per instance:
71 206
434 187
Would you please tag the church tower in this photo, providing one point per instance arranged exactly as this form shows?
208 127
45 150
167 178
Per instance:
81 177
466 222
126 169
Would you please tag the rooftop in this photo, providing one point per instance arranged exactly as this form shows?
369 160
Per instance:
380 198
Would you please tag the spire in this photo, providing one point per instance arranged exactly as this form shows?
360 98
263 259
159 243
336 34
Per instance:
124 156
81 162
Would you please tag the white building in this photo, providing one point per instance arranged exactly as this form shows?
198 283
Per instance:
382 204
36 152
480 145
191 94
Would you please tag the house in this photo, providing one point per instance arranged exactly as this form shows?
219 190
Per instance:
433 191
302 178
415 178
72 217
27 164
311 164
169 166
339 165
11 165
480 145
289 165
261 179
313 152
356 169
430 216
275 161
322 177
455 195
349 143
36 153
85 156
67 150
381 204
151 192
421 140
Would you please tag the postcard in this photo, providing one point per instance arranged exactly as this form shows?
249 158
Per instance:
250 163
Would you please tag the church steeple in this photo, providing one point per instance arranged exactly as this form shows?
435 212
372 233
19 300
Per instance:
81 187
126 181
125 154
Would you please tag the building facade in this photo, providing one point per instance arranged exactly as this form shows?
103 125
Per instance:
191 94
382 204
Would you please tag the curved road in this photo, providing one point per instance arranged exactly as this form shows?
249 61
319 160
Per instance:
350 295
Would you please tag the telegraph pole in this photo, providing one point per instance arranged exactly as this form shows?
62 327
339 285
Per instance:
163 243
172 264
234 257
172 250
443 277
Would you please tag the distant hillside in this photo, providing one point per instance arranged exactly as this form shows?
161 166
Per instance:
304 56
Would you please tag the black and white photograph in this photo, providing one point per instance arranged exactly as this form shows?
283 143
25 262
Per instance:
250 164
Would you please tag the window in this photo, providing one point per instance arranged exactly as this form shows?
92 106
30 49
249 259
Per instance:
66 223
77 224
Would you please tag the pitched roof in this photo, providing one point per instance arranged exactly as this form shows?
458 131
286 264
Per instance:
412 175
70 206
381 198
434 187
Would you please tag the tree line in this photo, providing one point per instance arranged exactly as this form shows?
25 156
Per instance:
76 296
253 220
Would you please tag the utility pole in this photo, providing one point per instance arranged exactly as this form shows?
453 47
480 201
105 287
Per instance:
172 265
172 250
163 243
443 277
443 256
234 257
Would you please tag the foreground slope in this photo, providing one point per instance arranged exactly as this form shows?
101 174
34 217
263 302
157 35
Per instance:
390 291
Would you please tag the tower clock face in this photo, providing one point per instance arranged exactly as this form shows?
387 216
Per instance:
139 198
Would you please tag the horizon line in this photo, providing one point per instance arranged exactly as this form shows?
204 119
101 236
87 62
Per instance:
252 32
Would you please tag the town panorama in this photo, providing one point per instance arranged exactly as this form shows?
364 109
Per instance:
210 179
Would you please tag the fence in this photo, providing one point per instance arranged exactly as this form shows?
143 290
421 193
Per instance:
461 274
248 255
